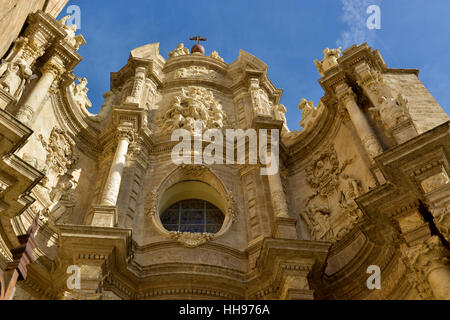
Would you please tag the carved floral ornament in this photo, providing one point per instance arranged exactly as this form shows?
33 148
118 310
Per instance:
182 174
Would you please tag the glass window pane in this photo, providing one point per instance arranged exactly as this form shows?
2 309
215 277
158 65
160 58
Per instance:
195 216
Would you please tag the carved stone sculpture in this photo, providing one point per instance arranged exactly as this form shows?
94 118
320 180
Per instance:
193 104
191 240
318 220
179 51
259 97
323 172
74 40
310 114
61 154
106 108
80 93
391 111
215 55
13 76
350 190
329 60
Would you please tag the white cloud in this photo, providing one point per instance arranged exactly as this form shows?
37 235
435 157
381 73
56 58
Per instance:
354 15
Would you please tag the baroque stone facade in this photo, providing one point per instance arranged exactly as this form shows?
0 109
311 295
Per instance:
365 182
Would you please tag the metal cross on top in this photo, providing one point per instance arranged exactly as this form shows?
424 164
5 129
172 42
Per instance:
198 39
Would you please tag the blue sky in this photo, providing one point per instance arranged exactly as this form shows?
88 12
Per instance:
286 34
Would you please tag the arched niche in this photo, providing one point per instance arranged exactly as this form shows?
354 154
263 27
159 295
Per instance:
191 182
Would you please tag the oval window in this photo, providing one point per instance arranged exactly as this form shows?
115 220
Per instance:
193 216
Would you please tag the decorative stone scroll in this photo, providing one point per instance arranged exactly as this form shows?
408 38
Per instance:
193 104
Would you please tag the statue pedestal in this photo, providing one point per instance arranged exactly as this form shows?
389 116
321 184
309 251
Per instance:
404 131
284 228
104 216
5 99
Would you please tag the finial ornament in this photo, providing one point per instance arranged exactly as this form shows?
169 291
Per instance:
198 48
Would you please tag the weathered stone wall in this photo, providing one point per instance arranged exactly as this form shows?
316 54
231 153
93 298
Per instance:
426 113
14 13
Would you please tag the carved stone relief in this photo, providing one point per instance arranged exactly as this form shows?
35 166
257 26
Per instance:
14 76
325 176
391 112
260 98
61 153
195 71
193 104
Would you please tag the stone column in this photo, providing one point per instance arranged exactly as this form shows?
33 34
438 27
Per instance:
50 71
284 227
105 214
365 132
112 186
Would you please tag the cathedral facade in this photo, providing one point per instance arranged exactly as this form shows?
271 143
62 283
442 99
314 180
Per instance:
94 206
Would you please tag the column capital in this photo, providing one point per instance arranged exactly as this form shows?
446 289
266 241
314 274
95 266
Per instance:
367 76
345 93
54 66
126 133
428 256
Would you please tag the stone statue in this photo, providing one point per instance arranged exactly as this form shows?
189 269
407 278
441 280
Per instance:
259 97
279 112
71 38
106 108
13 77
329 60
80 93
179 51
309 113
391 112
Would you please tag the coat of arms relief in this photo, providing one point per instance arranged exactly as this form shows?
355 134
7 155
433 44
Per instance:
325 175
